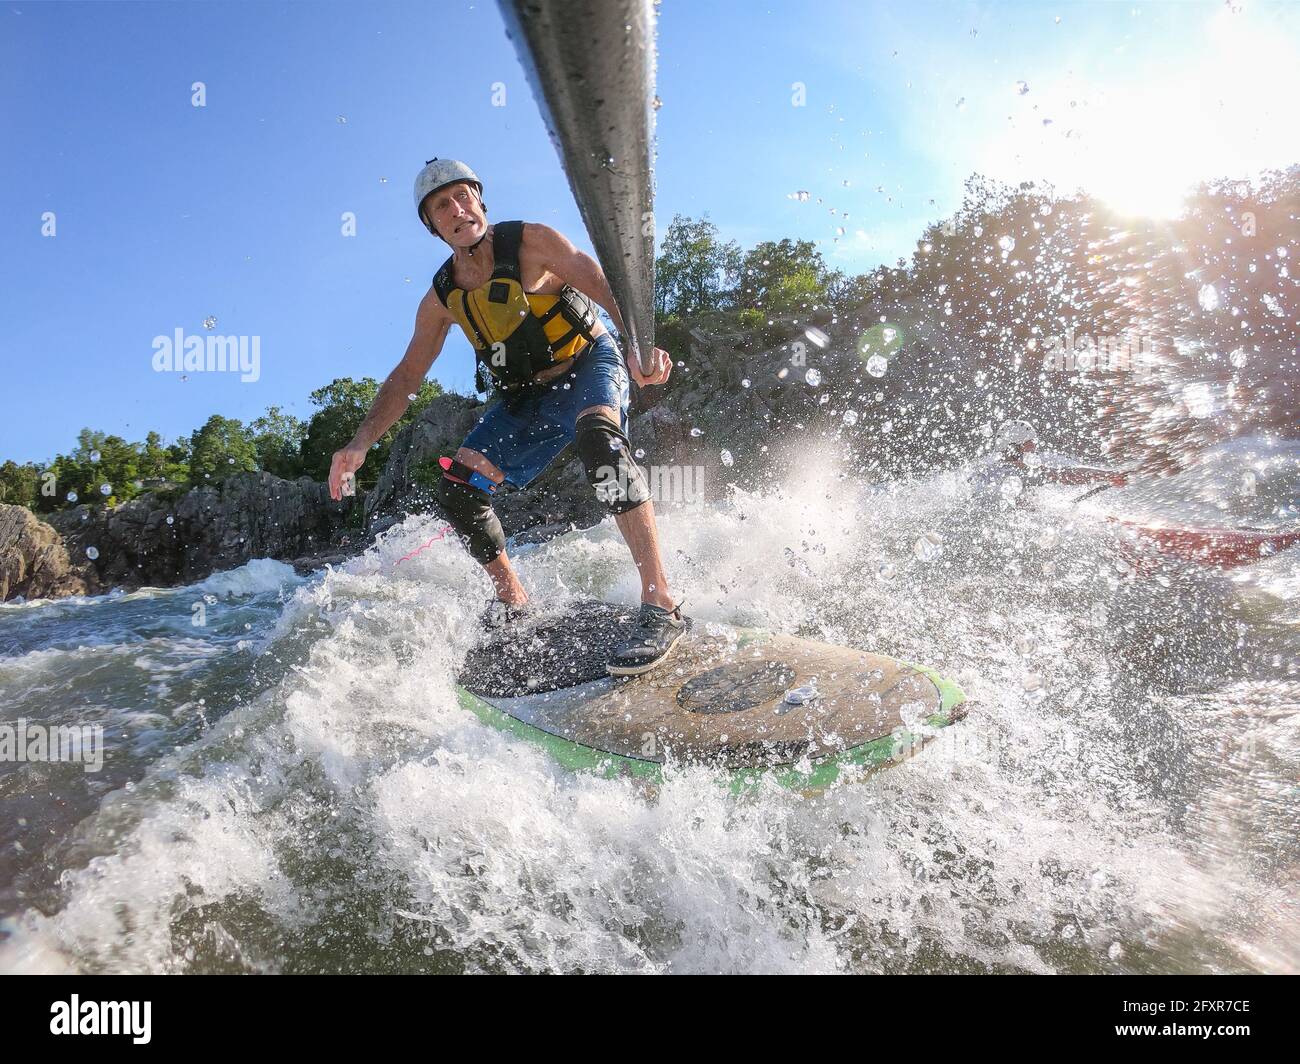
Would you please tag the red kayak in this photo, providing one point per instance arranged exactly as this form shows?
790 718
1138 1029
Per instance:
1223 548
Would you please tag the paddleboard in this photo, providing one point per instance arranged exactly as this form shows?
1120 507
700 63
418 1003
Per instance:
745 701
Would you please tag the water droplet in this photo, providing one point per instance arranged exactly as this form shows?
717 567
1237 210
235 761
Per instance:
106 489
745 383
72 496
640 452
1208 298
813 377
171 520
887 571
697 432
1011 488
209 322
727 460
850 417
343 120
92 553
877 365
1007 243
1022 88
961 104
929 547
94 456
817 336
801 196
411 397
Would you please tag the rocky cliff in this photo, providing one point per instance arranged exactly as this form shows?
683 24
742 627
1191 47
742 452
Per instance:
155 541
34 562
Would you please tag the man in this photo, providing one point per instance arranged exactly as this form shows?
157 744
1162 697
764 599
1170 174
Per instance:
1015 455
523 295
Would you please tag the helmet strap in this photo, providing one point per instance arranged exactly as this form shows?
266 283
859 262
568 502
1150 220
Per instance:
487 232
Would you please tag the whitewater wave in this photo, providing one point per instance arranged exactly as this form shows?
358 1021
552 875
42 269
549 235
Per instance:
348 814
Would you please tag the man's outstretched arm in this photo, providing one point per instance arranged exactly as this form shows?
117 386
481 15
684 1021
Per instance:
431 324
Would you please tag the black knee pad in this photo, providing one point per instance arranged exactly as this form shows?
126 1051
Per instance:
471 515
607 456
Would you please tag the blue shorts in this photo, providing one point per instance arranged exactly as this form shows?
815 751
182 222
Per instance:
522 432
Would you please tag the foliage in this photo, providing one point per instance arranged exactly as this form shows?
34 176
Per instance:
221 448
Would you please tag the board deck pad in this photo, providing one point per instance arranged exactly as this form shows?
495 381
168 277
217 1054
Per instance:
720 698
557 650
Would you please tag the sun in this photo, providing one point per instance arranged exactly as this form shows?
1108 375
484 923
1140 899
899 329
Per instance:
1221 106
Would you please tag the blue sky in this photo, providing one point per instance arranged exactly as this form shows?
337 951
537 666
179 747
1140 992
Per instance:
168 214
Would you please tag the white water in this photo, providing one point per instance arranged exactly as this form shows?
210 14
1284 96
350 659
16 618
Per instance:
305 793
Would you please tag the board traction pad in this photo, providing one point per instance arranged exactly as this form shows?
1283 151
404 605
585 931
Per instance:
720 698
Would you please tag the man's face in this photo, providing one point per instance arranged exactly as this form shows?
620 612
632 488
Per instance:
457 214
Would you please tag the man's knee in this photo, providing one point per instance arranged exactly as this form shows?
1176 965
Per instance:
466 497
479 463
607 457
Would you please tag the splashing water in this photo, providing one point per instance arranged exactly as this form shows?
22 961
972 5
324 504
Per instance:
293 786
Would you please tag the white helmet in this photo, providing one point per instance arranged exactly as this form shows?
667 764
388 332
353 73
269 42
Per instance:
439 173
1014 433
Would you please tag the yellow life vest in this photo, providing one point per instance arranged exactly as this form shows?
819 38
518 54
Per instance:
516 334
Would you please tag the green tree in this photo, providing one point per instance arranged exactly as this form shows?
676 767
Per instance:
100 461
221 448
19 484
695 269
153 458
783 277
278 437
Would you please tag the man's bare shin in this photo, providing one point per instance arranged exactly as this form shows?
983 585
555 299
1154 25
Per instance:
504 580
638 528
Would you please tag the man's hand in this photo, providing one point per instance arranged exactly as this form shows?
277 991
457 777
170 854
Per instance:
663 365
347 460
